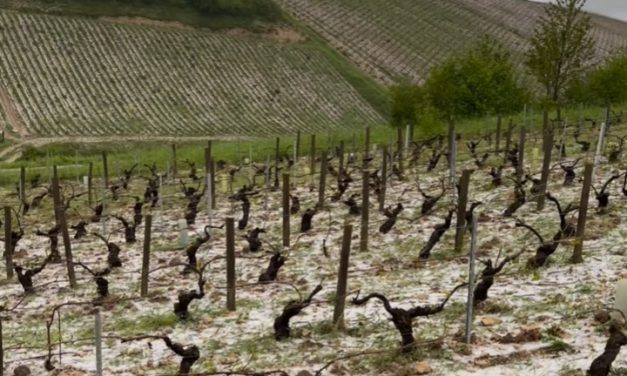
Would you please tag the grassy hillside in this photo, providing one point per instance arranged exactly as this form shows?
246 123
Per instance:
70 76
404 39
214 14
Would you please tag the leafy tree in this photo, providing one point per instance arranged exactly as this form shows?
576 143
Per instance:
561 48
608 84
406 100
481 82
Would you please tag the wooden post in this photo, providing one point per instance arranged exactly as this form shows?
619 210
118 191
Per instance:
1 350
212 187
471 279
61 222
105 170
8 242
384 177
399 146
583 213
208 182
174 169
452 152
462 201
323 179
342 275
312 156
22 184
286 210
365 202
520 170
90 194
546 161
508 140
366 147
98 340
497 144
341 158
146 255
230 264
276 163
297 148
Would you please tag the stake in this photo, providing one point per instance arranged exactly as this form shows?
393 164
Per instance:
209 197
583 213
22 184
105 170
146 255
174 169
597 154
90 197
498 135
8 242
98 340
1 350
323 179
230 264
341 158
462 201
276 163
521 154
286 210
399 134
452 152
342 275
365 192
384 177
508 139
312 158
471 278
367 147
546 161
67 244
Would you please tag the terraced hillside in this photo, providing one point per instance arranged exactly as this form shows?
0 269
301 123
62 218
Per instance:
68 76
405 38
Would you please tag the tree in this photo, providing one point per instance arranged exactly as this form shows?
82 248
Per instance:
608 84
561 48
478 83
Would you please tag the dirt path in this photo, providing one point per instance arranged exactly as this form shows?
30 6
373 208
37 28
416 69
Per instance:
13 116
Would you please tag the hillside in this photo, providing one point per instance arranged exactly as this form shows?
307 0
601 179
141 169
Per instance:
74 76
399 39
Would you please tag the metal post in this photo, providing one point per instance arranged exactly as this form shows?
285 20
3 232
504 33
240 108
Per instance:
98 340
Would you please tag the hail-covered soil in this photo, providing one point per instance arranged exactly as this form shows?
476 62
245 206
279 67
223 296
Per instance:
534 322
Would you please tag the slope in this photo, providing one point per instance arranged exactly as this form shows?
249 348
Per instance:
74 76
404 39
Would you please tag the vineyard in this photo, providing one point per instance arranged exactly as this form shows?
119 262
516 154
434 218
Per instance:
71 77
407 38
321 264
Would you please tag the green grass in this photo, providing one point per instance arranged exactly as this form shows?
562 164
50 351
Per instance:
120 156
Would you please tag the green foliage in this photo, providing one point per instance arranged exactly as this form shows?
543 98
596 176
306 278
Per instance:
605 86
608 84
407 102
561 47
481 82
